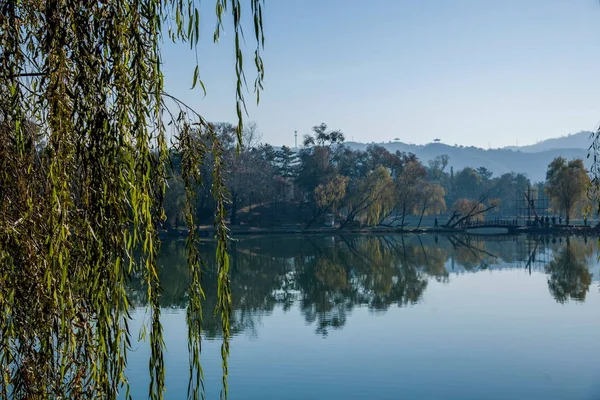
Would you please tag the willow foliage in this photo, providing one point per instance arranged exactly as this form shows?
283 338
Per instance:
83 166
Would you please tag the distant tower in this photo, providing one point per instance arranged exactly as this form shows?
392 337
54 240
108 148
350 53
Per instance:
296 140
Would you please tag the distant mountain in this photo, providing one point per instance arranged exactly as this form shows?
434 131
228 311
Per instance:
531 160
581 140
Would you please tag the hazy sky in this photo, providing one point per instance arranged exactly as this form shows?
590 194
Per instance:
472 72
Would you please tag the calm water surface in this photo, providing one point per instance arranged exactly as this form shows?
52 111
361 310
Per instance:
389 317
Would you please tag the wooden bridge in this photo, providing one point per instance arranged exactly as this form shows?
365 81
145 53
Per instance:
492 226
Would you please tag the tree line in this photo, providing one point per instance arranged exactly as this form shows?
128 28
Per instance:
371 187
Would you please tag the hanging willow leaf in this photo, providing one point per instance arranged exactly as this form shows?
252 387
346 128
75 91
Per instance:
195 78
83 168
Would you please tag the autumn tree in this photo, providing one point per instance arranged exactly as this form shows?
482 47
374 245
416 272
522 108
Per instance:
469 207
430 200
376 156
408 189
371 196
567 183
327 196
466 210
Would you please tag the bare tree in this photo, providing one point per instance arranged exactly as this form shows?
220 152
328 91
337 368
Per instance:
465 209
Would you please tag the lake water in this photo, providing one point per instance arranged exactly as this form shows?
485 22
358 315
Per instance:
389 317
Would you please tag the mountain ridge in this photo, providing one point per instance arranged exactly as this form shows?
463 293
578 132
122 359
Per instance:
579 140
531 160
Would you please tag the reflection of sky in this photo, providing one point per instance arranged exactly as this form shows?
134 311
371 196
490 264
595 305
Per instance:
592 265
541 259
595 271
487 335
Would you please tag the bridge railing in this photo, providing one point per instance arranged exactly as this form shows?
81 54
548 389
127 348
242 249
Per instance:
495 223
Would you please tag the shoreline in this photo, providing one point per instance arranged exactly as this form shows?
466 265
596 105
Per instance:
236 230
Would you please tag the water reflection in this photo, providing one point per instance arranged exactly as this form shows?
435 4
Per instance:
327 277
570 277
372 271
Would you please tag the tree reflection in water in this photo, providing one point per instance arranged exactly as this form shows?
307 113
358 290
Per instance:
327 277
570 277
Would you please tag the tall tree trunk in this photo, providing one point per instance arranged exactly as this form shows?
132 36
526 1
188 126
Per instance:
403 214
316 214
422 213
348 219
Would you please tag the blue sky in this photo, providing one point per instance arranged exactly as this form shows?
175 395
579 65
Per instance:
471 72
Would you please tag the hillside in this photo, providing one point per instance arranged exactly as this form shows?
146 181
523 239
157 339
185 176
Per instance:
531 160
581 140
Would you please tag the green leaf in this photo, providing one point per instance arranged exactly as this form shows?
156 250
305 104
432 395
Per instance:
195 78
197 24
